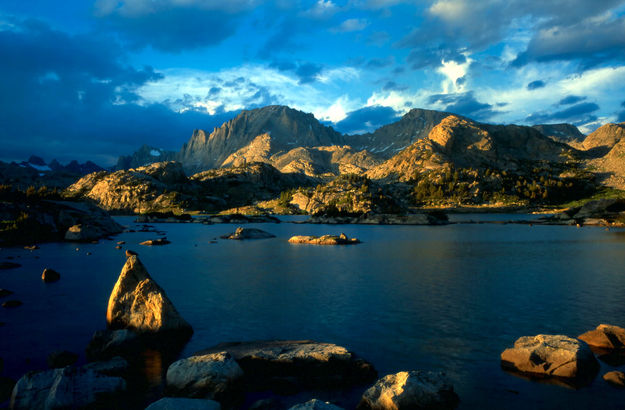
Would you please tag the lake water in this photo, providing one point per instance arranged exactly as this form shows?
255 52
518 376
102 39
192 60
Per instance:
448 298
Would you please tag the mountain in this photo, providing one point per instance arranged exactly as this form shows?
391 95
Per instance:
282 128
457 142
606 151
566 133
605 137
35 172
145 155
392 138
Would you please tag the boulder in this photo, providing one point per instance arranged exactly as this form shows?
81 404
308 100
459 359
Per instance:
248 233
615 378
155 242
605 337
106 344
6 387
117 366
287 366
315 404
550 356
410 390
61 359
138 303
67 388
341 239
181 403
83 233
50 275
212 376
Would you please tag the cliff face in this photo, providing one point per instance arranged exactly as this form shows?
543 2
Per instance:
605 149
287 128
566 133
145 155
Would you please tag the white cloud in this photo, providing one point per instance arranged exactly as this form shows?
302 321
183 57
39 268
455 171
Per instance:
453 71
130 8
322 9
351 25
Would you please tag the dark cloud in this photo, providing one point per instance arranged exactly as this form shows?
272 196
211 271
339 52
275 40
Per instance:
571 99
393 86
375 63
576 114
464 104
306 72
621 115
534 85
367 119
427 57
72 97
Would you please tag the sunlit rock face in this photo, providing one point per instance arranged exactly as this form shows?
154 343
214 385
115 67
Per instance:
605 337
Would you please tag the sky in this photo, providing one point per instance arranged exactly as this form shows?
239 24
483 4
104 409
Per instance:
92 80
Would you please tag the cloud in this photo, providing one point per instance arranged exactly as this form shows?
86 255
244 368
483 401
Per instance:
571 99
534 85
621 115
351 25
366 119
72 97
576 114
464 104
172 25
322 9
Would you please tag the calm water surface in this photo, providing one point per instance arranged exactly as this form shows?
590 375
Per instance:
446 298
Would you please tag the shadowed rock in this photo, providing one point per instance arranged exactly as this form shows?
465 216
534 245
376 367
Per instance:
410 390
61 359
180 403
50 275
83 233
248 233
551 356
11 304
9 265
615 378
106 344
155 242
138 303
605 337
315 404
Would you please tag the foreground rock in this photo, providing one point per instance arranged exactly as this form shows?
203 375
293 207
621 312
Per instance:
289 366
410 390
315 404
341 239
179 403
212 376
138 303
551 356
50 275
615 378
67 388
248 233
605 337
106 344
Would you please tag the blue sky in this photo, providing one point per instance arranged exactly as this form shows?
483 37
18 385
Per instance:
100 78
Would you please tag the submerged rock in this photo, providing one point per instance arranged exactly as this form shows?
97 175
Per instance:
5 292
213 376
615 378
410 390
315 404
9 265
106 344
138 303
550 356
341 239
11 304
155 242
289 366
605 337
67 388
181 403
248 233
50 275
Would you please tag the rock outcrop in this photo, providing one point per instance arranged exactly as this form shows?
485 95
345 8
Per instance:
211 376
80 233
410 390
139 304
341 239
605 337
248 233
600 212
615 378
289 366
551 356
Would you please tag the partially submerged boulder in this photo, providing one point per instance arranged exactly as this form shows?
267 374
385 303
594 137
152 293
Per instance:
290 366
213 376
248 233
410 390
139 304
181 403
50 275
341 239
615 378
69 387
551 356
605 337
156 242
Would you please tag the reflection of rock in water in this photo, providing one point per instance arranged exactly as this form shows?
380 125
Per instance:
153 367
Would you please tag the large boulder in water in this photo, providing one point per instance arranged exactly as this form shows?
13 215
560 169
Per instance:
138 303
605 337
551 356
287 366
67 388
212 376
410 390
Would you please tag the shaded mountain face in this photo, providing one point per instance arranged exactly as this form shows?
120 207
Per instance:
145 155
566 133
392 138
35 172
286 127
460 143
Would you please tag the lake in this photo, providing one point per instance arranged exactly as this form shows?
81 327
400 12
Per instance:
448 298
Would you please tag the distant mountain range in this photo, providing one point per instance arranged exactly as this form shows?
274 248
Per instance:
36 172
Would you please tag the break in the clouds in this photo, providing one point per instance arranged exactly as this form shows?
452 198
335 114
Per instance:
102 77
